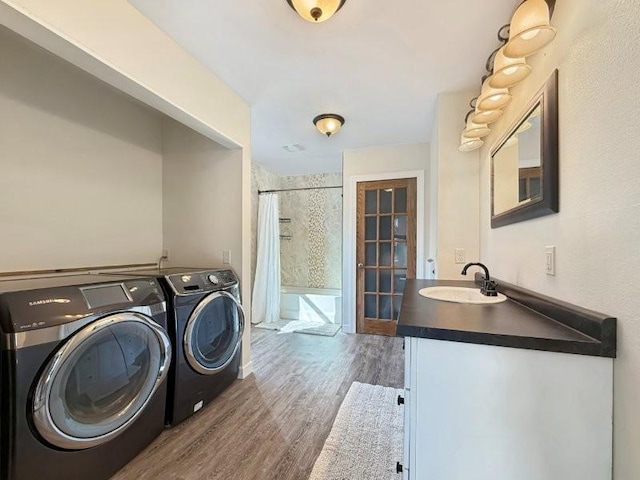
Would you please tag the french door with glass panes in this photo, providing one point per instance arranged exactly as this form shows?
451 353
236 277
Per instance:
385 251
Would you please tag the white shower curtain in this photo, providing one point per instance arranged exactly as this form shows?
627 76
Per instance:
266 288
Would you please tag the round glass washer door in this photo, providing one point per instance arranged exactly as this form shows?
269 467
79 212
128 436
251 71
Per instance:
101 380
213 333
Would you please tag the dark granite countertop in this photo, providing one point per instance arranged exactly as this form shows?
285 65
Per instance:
508 324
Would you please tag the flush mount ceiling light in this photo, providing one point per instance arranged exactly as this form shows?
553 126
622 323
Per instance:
328 123
316 11
530 30
507 71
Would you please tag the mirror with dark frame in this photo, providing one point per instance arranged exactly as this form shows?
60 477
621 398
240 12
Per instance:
524 165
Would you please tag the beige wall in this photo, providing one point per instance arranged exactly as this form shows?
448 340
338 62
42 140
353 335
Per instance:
378 162
80 167
115 42
202 202
597 230
434 174
455 185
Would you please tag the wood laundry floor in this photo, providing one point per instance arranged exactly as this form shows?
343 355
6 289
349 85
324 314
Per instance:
273 424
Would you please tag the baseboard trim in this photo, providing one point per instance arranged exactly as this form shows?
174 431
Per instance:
245 371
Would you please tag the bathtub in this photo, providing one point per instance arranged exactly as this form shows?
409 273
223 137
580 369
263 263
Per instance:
311 304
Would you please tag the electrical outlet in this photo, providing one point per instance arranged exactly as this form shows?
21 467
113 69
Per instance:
226 257
460 256
165 255
550 260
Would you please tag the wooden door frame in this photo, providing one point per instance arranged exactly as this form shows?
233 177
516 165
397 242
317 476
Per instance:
379 326
350 202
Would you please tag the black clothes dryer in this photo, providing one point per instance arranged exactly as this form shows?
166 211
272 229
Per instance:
206 326
84 366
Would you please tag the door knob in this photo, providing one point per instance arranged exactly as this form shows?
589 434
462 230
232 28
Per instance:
399 468
400 400
360 266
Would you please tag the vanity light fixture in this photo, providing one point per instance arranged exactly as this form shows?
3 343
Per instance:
530 29
485 116
469 144
316 11
513 140
493 98
507 71
475 130
328 123
524 127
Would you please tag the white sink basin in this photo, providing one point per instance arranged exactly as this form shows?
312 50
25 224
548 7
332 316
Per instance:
460 295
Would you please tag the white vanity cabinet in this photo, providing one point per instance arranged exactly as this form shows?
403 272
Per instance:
481 412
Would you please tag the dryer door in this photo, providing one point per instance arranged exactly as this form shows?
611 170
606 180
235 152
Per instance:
100 380
213 333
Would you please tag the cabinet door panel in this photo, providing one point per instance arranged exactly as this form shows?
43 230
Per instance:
485 412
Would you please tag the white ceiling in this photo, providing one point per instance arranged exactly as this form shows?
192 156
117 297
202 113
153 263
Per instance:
380 64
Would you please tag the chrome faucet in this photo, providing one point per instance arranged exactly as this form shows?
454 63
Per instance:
489 287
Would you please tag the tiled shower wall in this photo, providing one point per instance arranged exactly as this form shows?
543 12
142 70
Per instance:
312 256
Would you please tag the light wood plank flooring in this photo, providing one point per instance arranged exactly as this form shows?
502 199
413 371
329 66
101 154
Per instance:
273 424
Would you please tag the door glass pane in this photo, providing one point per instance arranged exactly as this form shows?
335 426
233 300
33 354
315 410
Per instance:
370 228
400 227
370 201
385 200
370 254
400 254
397 300
216 333
385 254
384 281
534 187
399 277
385 307
370 307
522 190
370 284
385 227
400 201
105 380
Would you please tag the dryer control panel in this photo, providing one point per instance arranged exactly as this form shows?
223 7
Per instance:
206 281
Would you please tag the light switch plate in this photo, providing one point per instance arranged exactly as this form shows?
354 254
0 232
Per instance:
226 257
460 255
550 260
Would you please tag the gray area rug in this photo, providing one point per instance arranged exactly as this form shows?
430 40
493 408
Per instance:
366 438
301 326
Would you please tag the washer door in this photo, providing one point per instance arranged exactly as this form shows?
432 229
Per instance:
99 382
213 333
